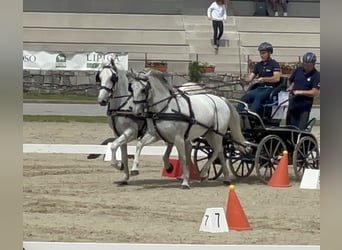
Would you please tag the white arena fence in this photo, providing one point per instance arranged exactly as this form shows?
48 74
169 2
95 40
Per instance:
95 149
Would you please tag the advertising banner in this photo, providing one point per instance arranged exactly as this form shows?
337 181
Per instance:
88 61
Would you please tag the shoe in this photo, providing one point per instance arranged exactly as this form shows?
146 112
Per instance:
285 14
276 13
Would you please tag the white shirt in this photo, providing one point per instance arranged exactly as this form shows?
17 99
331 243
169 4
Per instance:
217 12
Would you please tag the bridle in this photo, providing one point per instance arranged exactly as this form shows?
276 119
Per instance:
114 79
146 87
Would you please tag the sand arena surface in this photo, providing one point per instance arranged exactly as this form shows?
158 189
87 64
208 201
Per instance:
67 197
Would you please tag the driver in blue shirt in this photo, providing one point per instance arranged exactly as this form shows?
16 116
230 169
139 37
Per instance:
305 85
268 74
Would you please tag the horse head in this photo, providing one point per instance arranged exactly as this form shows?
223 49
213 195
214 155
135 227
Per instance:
140 88
148 87
107 77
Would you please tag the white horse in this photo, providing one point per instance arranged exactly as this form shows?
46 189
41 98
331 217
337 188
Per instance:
179 118
125 125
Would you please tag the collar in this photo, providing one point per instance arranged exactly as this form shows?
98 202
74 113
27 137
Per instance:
310 73
266 62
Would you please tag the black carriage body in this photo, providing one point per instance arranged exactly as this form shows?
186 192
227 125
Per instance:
268 141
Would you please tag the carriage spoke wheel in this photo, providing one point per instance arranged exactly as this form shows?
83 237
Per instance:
240 164
305 155
267 156
202 152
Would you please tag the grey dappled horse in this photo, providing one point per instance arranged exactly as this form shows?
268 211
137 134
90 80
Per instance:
125 125
179 118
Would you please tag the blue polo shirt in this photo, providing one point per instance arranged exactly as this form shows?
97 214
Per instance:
304 81
266 69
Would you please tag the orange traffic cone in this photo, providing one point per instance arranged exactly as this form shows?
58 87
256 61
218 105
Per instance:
280 177
235 215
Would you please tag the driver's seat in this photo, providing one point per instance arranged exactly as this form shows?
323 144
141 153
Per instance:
265 111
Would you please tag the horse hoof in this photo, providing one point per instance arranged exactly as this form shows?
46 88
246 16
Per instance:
121 183
169 169
118 167
203 176
226 182
134 172
185 187
202 179
92 156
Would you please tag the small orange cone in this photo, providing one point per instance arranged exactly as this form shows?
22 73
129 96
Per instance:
280 177
235 215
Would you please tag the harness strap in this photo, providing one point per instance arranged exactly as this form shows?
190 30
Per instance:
141 129
192 115
110 111
125 113
114 127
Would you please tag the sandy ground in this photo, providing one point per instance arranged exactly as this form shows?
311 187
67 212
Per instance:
70 198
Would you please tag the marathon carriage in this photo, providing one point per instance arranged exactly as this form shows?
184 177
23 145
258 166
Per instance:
268 140
173 112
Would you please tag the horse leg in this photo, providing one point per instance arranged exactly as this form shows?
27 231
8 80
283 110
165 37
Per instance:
105 142
166 156
211 141
126 137
124 160
188 148
215 141
226 180
146 140
180 145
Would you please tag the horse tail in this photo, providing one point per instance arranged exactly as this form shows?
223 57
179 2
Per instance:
235 125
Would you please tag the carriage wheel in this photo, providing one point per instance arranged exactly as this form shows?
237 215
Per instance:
241 165
267 156
305 155
202 152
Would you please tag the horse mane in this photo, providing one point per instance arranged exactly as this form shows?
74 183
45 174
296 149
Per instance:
193 88
154 75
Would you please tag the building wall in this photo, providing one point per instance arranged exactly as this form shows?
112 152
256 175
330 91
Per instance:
305 8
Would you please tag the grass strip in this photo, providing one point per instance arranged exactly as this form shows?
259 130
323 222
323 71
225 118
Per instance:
50 97
64 118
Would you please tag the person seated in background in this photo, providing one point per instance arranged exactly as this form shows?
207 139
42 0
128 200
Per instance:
283 3
304 84
268 74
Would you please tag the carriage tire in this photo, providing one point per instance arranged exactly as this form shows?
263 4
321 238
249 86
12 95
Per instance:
267 156
305 155
215 170
240 165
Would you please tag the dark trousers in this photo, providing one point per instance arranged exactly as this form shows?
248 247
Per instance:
255 97
298 118
218 31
